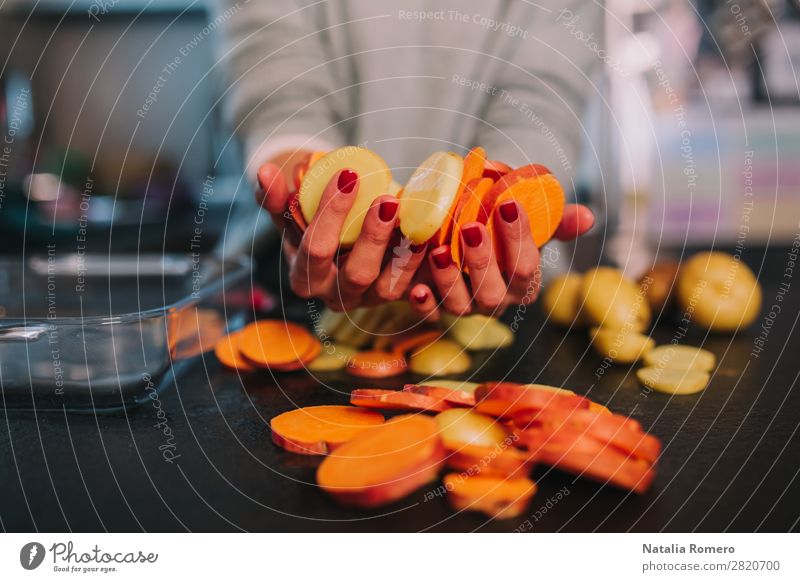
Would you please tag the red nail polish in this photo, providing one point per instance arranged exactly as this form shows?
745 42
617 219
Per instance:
418 248
508 211
387 210
443 258
347 181
421 296
472 236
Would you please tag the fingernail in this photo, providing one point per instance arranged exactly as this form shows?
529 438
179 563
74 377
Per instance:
347 181
387 210
443 258
420 296
472 236
418 248
508 211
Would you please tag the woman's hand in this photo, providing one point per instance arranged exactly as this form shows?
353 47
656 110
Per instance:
316 269
497 277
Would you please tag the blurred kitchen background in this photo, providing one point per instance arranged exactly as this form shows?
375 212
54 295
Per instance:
105 143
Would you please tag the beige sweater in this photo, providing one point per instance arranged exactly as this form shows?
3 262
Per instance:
408 78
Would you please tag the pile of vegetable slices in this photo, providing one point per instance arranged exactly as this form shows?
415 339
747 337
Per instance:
487 438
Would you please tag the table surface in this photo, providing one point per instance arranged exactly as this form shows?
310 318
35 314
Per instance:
730 458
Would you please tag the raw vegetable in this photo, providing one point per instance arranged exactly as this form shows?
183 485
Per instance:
278 344
317 430
497 461
460 426
376 364
227 352
673 380
499 498
478 332
620 345
681 358
440 358
396 400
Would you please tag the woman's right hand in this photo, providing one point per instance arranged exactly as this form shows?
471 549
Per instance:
316 268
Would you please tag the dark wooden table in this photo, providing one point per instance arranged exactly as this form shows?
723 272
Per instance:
730 461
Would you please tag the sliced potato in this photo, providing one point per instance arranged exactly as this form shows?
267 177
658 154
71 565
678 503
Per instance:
681 358
478 332
332 357
394 189
462 426
611 300
429 195
673 381
623 346
440 358
557 389
374 180
562 299
454 385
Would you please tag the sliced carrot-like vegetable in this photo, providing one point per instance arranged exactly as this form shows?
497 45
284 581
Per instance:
599 408
278 344
227 352
470 209
507 180
318 430
385 463
496 497
507 399
376 364
587 457
495 461
473 170
542 199
396 400
454 397
408 342
495 170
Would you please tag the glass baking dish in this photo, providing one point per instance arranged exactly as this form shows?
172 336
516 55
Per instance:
97 333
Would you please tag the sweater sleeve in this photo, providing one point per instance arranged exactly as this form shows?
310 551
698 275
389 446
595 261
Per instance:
281 92
542 88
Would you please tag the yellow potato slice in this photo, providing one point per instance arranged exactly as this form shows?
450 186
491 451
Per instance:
440 358
374 180
562 299
333 357
557 389
681 358
611 300
462 426
623 346
429 195
454 385
478 332
673 381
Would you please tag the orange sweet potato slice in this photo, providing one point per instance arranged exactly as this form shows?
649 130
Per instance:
454 397
508 462
507 399
495 497
396 400
385 463
318 430
495 170
227 352
470 209
376 364
474 163
272 343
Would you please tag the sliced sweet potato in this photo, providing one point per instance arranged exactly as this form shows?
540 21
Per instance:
496 497
508 179
470 209
318 430
405 343
385 463
473 170
496 461
227 352
449 395
494 170
507 399
396 400
278 344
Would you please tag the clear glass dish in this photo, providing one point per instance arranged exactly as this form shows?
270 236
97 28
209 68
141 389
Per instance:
95 333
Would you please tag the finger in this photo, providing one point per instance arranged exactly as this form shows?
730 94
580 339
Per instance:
392 284
449 281
577 220
423 302
520 257
273 193
313 271
363 264
488 286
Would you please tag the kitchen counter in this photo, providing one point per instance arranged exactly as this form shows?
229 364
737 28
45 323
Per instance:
730 459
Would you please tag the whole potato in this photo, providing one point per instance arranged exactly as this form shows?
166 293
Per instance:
614 301
718 291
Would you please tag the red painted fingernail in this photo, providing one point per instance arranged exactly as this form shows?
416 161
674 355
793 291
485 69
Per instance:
443 258
421 296
387 210
508 211
347 181
418 248
472 236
